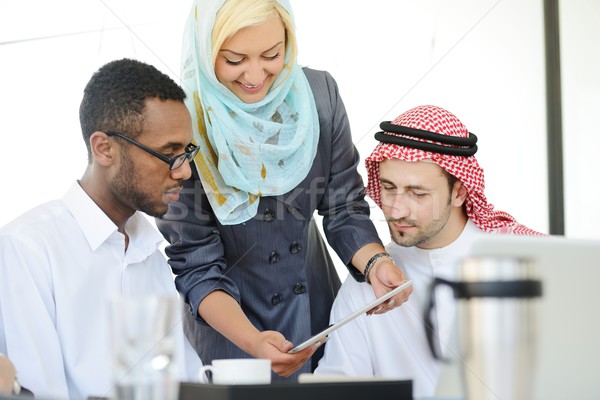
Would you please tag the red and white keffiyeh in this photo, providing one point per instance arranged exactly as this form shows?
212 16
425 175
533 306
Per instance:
466 169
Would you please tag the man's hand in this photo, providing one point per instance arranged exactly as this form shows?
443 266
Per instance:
7 375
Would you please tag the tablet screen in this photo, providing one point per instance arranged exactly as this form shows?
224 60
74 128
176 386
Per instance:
349 318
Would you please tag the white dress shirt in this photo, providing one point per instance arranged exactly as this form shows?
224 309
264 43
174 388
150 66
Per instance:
60 263
394 344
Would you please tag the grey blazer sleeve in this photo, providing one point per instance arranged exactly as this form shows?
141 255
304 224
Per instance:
345 212
196 253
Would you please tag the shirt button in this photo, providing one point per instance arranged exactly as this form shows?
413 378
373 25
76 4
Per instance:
276 299
299 288
274 257
295 247
269 216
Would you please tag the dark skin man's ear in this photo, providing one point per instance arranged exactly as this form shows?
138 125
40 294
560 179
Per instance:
102 150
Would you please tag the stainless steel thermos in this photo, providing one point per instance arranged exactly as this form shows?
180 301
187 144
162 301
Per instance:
497 326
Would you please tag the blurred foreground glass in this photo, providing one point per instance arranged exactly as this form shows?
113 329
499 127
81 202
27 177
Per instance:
143 344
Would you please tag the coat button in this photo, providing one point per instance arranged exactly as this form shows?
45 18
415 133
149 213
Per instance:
269 216
295 247
276 299
299 288
274 257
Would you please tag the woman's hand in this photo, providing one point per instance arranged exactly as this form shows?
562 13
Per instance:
273 345
221 311
384 277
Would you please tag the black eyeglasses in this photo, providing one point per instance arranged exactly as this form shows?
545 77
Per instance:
174 162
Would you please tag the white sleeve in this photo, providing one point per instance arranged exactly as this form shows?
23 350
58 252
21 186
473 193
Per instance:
28 332
346 351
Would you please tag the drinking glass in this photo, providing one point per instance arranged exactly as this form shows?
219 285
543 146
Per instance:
143 344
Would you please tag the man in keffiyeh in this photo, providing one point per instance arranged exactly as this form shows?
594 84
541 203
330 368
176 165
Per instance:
432 134
426 179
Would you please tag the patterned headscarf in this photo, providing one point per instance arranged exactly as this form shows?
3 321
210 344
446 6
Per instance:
419 143
248 150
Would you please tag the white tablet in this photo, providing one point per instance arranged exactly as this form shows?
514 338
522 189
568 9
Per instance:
344 321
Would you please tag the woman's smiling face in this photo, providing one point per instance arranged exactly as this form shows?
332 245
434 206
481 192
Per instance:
249 62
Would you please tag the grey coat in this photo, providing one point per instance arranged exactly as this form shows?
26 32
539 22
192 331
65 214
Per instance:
275 265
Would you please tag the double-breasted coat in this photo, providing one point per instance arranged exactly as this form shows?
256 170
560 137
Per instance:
276 265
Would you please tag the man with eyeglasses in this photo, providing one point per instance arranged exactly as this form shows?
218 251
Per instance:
62 261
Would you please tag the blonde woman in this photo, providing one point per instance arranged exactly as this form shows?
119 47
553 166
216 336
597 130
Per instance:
275 147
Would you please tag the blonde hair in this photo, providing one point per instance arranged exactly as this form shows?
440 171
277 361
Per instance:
238 14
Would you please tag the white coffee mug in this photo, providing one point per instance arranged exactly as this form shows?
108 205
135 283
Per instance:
237 371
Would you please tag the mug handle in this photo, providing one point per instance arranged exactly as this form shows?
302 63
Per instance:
428 321
202 374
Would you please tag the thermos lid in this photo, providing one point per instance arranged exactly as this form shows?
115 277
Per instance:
498 276
498 268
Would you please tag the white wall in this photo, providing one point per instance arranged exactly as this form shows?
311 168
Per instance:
42 81
580 30
482 60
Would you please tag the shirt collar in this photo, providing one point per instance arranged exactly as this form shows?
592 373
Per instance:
97 227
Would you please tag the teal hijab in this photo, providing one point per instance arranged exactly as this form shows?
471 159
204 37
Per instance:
248 150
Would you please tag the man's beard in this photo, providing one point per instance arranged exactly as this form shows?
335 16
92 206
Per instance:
125 188
424 234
